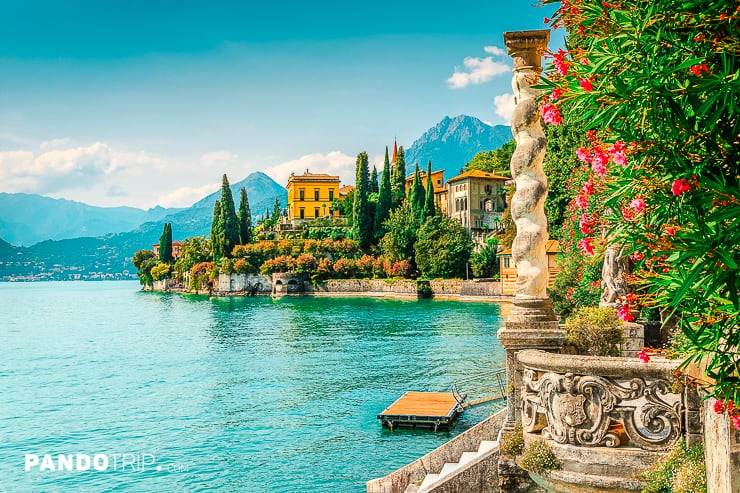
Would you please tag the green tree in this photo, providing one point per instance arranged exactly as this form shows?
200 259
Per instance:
217 231
141 256
430 208
193 251
344 206
276 211
374 188
144 261
384 198
398 178
165 245
401 226
245 219
442 248
497 161
484 262
362 227
230 223
416 195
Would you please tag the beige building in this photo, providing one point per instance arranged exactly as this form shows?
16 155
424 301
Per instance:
477 200
508 269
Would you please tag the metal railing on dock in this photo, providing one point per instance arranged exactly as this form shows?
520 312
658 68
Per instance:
481 388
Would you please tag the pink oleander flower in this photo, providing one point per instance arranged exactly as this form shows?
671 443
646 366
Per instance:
719 406
680 186
586 246
735 421
583 154
698 69
637 256
591 135
586 225
620 159
599 161
551 114
670 230
586 85
584 61
581 202
625 313
561 64
644 356
556 94
637 204
588 188
628 214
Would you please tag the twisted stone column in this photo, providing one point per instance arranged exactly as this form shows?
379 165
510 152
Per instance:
532 323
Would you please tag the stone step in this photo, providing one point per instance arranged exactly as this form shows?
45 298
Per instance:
487 445
412 488
448 468
428 480
467 457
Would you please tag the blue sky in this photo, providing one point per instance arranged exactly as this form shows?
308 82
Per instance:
143 102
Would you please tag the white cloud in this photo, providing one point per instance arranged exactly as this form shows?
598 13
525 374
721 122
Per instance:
63 169
478 70
220 159
54 143
186 196
494 50
504 104
333 163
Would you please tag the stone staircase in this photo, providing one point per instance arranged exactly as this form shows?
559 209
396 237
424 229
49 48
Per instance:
449 469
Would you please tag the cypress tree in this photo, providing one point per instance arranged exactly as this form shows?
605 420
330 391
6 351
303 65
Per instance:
384 198
416 195
165 245
245 218
230 223
374 181
429 207
276 211
362 220
398 180
217 232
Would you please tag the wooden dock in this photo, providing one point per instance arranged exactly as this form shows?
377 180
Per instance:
422 409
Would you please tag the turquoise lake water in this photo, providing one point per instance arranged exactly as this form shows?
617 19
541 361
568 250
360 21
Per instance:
225 394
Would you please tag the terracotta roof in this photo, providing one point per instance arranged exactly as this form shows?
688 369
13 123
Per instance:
423 174
307 176
476 173
346 189
552 246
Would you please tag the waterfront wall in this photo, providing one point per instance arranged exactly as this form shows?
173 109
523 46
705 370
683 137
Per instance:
260 285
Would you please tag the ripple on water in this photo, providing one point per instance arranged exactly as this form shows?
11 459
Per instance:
233 394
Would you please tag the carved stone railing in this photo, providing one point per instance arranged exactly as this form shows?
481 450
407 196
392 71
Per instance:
606 402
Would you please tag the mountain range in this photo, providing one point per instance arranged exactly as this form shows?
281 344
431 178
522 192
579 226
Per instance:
86 239
453 142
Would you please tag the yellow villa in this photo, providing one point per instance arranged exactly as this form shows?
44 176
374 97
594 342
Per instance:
509 273
310 196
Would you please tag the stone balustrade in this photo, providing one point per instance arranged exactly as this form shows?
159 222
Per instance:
594 401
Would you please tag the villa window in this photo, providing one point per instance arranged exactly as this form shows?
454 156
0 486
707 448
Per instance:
506 262
331 194
303 195
316 194
303 213
316 212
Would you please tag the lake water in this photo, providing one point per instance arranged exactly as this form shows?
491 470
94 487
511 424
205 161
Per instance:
224 394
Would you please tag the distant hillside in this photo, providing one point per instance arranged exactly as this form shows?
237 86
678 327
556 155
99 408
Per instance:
112 253
26 219
453 142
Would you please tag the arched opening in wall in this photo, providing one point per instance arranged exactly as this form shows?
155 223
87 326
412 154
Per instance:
292 285
278 286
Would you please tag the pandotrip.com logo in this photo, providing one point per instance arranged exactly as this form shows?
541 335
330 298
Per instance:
120 462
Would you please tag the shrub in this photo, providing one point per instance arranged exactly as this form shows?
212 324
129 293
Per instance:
346 268
595 331
200 275
366 266
282 263
306 264
241 266
682 470
161 271
400 268
539 457
513 443
225 266
324 270
484 262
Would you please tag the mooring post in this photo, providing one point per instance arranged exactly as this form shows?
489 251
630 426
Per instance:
532 323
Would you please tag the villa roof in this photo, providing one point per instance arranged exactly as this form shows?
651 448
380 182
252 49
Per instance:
346 189
476 173
552 246
423 174
308 176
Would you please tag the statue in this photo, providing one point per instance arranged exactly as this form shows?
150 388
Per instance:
613 282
